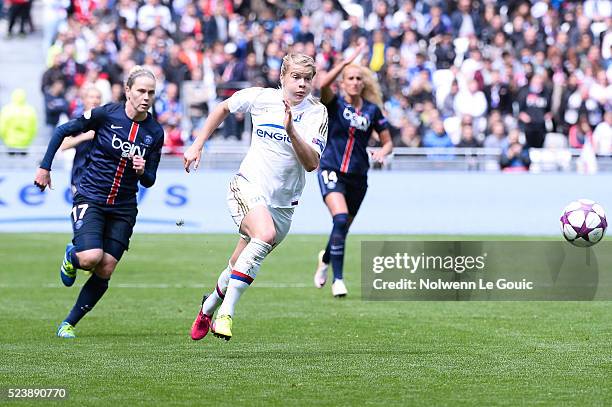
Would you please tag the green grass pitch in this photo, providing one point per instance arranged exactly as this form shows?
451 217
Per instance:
292 344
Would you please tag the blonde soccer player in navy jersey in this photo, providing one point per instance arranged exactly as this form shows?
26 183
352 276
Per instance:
355 112
288 138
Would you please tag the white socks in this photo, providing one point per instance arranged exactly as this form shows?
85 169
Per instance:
214 299
244 272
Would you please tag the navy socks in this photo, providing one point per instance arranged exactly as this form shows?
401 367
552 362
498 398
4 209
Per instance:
74 259
90 294
334 252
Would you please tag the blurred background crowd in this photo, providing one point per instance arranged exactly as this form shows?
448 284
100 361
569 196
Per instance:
509 74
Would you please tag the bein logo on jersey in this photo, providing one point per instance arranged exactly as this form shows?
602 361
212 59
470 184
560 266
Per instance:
356 120
279 134
127 148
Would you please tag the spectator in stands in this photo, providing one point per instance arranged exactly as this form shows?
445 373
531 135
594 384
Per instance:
534 111
467 138
377 50
190 24
580 101
445 51
254 73
515 155
408 17
196 95
420 91
168 108
153 14
438 25
602 136
18 9
448 105
580 133
436 136
53 73
421 65
498 94
18 123
471 101
173 142
409 136
233 72
326 16
497 136
409 48
175 70
353 33
380 18
55 105
465 21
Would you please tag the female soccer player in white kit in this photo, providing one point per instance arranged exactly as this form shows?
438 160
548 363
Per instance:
289 135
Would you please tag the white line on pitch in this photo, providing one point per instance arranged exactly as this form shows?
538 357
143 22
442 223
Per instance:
162 286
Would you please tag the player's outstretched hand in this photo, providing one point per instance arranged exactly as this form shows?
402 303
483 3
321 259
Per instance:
192 155
288 117
138 163
360 48
43 179
378 156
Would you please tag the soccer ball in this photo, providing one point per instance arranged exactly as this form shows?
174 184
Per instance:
583 223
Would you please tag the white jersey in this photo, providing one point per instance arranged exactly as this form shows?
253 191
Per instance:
271 161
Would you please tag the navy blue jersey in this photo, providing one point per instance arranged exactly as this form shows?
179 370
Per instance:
348 135
108 177
81 155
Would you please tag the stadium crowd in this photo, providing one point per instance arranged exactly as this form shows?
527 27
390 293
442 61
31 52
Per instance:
453 73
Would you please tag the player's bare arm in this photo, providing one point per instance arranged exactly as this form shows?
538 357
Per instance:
194 153
386 149
307 156
327 94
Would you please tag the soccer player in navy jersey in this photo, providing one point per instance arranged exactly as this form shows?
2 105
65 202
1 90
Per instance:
354 114
92 98
126 151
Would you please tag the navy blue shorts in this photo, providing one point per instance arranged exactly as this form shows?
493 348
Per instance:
352 186
97 226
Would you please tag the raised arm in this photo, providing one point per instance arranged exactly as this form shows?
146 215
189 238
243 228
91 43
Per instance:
194 153
326 92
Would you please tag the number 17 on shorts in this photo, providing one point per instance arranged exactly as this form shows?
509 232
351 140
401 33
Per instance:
78 213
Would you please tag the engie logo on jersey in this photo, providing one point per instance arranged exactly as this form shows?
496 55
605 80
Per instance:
272 131
127 148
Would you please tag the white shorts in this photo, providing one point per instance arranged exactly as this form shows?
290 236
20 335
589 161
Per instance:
243 195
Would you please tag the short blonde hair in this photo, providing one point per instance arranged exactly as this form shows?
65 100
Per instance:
301 60
136 72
